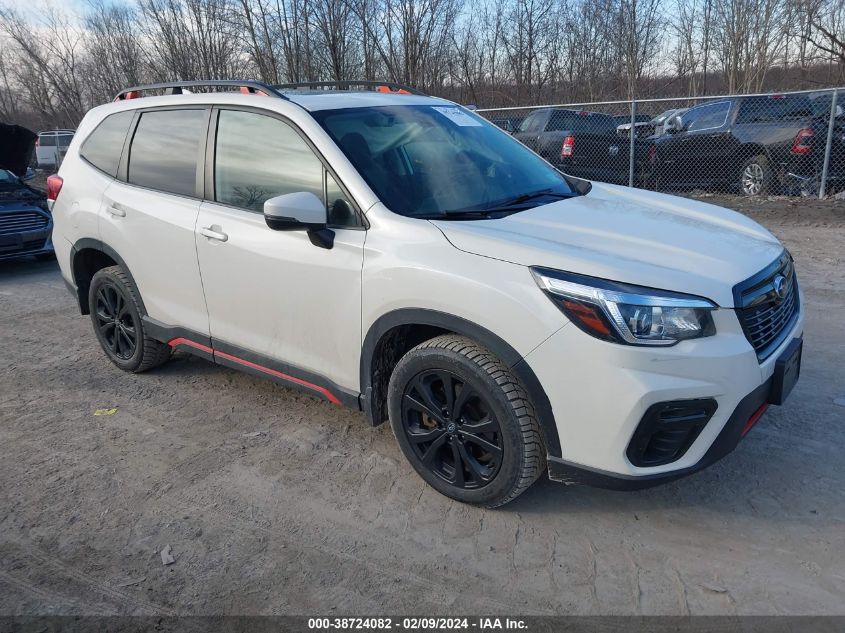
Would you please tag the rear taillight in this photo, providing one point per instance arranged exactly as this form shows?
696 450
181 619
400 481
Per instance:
568 147
652 153
37 142
54 188
800 144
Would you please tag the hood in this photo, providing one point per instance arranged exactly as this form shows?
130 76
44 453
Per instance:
16 146
628 235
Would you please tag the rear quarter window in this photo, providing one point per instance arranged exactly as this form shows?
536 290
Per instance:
104 145
164 151
581 121
47 140
774 108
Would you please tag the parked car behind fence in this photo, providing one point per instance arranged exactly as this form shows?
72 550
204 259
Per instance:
786 144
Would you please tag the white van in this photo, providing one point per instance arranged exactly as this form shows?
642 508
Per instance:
51 147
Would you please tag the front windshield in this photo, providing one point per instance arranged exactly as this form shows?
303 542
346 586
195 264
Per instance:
435 161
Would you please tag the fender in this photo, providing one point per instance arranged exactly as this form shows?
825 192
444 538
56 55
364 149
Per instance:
81 292
458 325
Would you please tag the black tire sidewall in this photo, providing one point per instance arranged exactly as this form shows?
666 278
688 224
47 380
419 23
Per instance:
107 277
510 470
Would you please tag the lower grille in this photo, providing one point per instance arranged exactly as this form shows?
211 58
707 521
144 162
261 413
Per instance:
13 223
767 305
667 430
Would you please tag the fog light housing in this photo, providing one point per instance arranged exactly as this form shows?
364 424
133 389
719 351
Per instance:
668 429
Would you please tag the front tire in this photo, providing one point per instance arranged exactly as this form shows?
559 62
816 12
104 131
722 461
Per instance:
464 422
116 316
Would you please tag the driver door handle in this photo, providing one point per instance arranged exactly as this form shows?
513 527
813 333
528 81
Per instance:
211 234
116 211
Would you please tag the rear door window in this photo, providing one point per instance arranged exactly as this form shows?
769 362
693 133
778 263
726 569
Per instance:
105 144
165 150
708 116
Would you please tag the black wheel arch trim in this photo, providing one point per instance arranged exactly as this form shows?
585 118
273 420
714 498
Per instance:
81 291
505 352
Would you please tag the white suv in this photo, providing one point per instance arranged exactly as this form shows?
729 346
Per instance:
398 254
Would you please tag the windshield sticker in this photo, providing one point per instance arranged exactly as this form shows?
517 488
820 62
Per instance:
457 116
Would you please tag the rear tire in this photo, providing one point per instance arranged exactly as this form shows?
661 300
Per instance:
464 422
116 316
755 176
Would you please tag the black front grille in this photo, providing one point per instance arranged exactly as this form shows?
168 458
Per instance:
765 315
21 222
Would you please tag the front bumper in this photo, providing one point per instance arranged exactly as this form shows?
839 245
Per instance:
733 431
27 241
599 393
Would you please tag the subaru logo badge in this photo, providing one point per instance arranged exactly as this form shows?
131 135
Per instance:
779 285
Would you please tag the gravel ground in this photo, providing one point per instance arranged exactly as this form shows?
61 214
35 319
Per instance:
273 502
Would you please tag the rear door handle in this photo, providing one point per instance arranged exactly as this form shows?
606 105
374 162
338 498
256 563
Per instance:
116 211
211 234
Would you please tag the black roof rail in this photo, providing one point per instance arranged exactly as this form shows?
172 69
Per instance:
391 86
175 87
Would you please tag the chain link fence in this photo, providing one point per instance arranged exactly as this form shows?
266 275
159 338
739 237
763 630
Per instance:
763 144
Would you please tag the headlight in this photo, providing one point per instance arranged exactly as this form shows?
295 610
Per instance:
624 313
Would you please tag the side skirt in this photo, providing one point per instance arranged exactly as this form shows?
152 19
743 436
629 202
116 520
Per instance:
244 360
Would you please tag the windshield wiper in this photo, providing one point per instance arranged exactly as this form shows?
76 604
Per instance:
499 210
480 214
520 201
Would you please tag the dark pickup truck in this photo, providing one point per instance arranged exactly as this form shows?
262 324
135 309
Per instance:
584 144
753 145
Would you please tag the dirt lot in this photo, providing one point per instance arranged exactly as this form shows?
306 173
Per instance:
274 502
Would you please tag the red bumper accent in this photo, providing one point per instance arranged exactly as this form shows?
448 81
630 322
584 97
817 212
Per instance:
754 417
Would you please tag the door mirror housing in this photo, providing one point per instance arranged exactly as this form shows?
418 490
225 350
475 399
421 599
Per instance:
674 125
300 211
295 211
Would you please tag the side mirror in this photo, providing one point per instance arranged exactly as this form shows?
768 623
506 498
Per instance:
295 211
300 211
674 125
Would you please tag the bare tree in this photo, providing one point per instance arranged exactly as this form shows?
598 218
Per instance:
824 27
191 39
750 35
49 63
413 38
115 53
639 34
336 48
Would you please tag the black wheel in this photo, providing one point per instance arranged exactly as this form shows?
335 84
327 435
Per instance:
116 316
755 177
464 422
